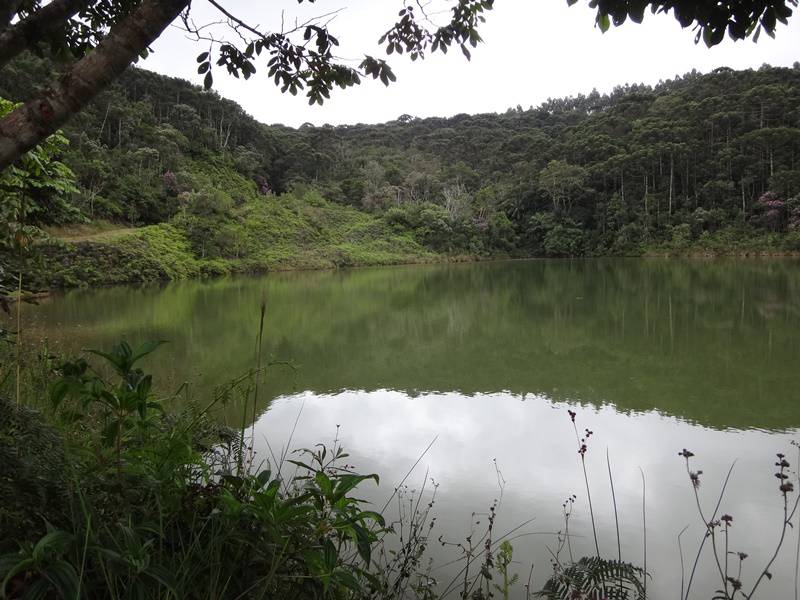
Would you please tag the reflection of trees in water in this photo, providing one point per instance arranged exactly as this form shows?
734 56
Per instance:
710 341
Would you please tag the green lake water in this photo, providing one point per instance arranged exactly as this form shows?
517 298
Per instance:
654 355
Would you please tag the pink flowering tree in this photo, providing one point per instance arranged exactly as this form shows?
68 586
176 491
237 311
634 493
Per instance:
771 212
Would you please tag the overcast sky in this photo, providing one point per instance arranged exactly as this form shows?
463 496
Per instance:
533 50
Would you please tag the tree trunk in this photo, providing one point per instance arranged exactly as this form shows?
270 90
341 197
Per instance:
744 207
103 125
28 125
686 185
671 181
646 207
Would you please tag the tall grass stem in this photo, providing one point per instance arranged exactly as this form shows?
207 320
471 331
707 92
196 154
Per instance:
19 334
644 530
614 500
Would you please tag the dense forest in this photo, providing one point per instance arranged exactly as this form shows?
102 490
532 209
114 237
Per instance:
175 181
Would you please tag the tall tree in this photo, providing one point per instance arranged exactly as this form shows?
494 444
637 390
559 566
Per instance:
105 36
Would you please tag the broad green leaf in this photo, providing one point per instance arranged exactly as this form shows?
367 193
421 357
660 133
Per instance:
54 541
345 483
145 349
63 578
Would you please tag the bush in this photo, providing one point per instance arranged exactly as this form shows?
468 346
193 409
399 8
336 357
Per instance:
502 235
144 503
428 222
628 241
563 240
681 236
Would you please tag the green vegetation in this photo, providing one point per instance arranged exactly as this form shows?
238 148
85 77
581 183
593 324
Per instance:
123 501
302 58
271 233
703 164
105 494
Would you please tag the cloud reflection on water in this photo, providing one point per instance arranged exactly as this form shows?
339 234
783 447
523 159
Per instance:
534 445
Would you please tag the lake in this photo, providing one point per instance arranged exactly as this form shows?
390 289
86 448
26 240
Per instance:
486 359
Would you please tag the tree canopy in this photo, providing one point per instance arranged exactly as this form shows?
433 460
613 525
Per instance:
103 37
698 163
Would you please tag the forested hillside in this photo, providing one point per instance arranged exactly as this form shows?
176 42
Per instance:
177 182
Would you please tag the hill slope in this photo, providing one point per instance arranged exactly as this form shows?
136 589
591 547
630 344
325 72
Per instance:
700 163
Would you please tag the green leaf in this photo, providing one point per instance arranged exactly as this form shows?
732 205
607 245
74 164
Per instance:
58 391
363 543
208 81
55 541
163 576
301 464
636 11
330 555
345 483
347 579
39 590
324 483
20 567
263 478
369 514
145 349
110 433
315 562
63 578
116 360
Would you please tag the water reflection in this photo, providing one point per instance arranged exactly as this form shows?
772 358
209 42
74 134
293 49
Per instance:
654 355
712 342
534 446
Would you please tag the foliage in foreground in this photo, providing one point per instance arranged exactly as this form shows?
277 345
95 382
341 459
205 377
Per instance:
108 495
593 576
142 504
105 494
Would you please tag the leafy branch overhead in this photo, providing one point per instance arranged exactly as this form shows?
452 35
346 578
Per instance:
711 18
103 37
304 56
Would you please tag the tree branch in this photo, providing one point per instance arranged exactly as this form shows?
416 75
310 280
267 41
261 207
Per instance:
36 27
8 8
29 124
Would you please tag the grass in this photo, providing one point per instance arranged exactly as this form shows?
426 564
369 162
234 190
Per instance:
275 233
95 230
157 252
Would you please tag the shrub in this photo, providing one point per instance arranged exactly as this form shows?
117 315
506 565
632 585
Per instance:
144 503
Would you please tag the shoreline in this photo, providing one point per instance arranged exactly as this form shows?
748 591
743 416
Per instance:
49 292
